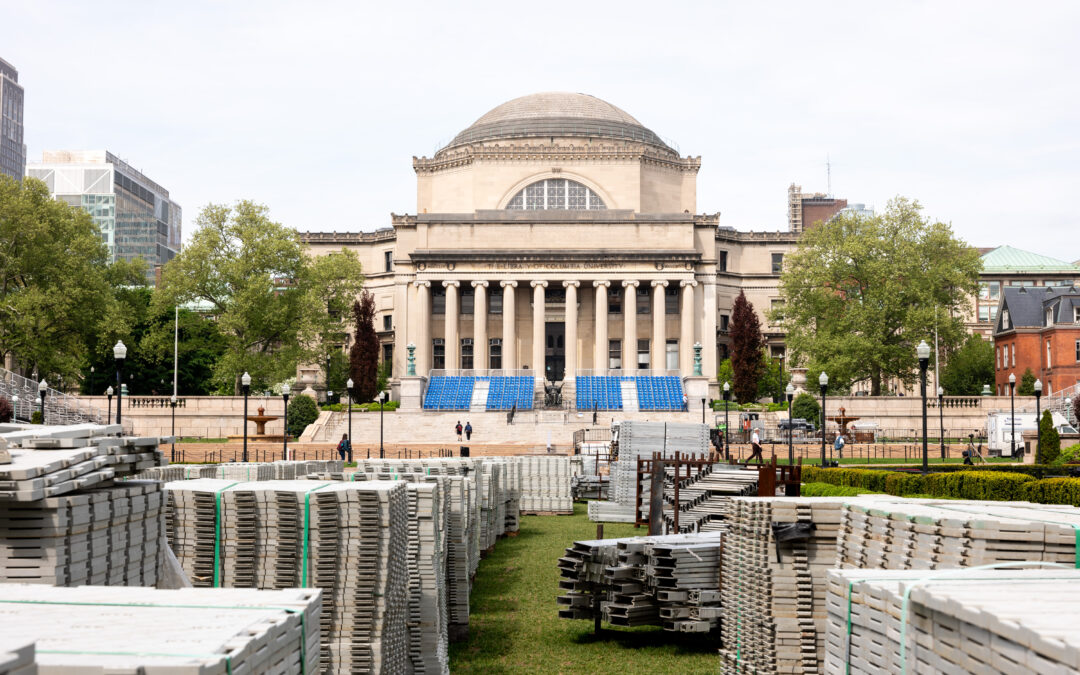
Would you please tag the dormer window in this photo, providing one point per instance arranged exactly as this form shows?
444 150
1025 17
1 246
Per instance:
1005 320
1049 317
556 193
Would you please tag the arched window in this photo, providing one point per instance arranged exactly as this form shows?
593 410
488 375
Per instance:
556 193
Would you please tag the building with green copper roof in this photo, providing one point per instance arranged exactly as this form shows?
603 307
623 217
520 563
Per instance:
1007 266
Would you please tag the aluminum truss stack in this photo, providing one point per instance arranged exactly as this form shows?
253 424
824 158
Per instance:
671 581
705 497
545 485
895 533
103 536
776 555
105 630
959 621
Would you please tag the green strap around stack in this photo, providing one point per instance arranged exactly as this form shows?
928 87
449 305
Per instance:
217 534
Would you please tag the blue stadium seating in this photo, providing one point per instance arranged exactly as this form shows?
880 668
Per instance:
506 392
604 392
454 392
449 392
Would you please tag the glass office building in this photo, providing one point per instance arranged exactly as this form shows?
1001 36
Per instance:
12 147
136 216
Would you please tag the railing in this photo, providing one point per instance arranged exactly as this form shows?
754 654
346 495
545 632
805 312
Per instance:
60 408
1056 402
480 372
956 402
154 402
600 434
620 372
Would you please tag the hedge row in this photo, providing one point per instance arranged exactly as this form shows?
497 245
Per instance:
970 484
369 407
1033 470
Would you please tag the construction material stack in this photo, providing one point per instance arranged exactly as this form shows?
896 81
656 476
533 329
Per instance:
775 560
105 630
704 499
545 485
960 621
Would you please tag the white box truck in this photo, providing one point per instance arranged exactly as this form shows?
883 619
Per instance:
999 431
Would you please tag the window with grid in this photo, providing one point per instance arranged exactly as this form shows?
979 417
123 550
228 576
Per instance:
671 300
614 354
643 354
722 262
495 303
467 353
672 354
644 300
777 263
388 260
556 194
495 353
438 300
614 301
438 354
468 299
388 352
1078 351
388 322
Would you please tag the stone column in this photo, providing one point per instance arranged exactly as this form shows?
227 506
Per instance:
629 347
708 329
509 338
480 327
571 329
538 330
600 346
423 328
453 343
658 359
686 337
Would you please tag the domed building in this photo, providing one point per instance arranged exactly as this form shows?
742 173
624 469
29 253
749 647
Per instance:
556 241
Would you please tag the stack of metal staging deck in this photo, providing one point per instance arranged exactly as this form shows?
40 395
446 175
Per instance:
545 485
93 629
705 497
278 470
513 491
349 539
428 517
671 581
108 535
957 621
776 555
192 527
896 533
177 472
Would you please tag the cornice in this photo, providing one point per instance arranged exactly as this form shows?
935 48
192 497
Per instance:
385 234
554 255
547 152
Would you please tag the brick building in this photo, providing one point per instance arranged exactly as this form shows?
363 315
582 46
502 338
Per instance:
1038 328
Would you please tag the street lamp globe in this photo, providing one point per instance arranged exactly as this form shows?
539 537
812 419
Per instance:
109 391
119 351
42 386
1012 378
349 384
1038 386
285 390
823 379
790 391
245 379
923 350
940 391
727 386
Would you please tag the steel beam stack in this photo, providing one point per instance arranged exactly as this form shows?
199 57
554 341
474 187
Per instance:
957 621
774 564
105 630
545 485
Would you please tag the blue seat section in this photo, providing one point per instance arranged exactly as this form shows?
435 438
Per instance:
663 392
506 392
449 392
601 392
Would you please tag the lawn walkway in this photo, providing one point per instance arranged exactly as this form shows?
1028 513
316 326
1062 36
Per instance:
515 625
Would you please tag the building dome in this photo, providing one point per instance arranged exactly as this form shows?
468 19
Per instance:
559 114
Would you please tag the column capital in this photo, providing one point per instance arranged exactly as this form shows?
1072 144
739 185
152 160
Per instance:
538 283
448 283
422 284
508 284
687 282
604 282
568 284
477 284
629 282
659 282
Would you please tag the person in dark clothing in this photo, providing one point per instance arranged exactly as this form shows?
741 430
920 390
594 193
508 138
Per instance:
457 430
755 444
468 430
344 448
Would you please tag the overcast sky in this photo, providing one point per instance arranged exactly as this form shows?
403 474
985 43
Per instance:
317 108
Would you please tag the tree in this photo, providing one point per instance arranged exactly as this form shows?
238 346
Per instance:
1076 409
1027 384
806 407
56 282
1049 440
969 368
773 378
303 410
747 350
274 303
861 292
364 353
725 373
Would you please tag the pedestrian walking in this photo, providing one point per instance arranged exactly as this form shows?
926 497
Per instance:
838 446
344 447
468 430
755 445
457 429
685 401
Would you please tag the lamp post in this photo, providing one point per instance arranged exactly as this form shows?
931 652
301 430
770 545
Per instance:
108 396
348 391
382 397
727 397
1038 434
15 408
119 354
703 411
790 391
823 383
172 404
42 389
941 418
245 386
91 380
1012 413
285 436
923 352
38 403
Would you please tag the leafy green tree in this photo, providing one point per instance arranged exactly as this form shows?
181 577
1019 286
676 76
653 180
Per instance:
725 374
773 379
275 304
805 406
1027 384
56 282
861 292
747 350
1049 440
969 368
302 411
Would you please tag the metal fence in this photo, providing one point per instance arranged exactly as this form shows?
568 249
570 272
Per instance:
60 408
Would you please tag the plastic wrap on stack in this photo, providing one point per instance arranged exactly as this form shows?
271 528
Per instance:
104 630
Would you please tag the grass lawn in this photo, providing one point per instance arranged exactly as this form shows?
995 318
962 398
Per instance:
514 626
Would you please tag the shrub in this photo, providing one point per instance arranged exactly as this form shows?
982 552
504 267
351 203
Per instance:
1049 440
35 417
1069 455
7 412
369 407
302 411
1053 491
806 407
860 478
988 485
828 490
902 483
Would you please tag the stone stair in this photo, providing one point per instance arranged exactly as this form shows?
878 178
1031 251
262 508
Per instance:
478 403
628 389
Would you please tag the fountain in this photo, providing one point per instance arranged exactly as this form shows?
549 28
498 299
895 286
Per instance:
843 419
260 434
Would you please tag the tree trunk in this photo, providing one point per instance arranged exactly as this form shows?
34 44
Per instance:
875 383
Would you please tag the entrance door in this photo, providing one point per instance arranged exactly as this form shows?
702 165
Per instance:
554 350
